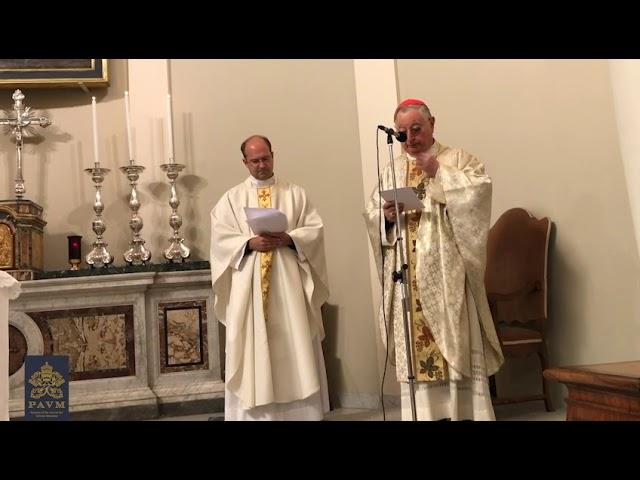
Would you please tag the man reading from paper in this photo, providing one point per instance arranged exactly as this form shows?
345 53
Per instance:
268 288
454 345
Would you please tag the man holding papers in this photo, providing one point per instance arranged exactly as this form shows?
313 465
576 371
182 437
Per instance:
454 346
269 279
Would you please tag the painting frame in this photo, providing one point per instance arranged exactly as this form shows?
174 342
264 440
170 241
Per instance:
53 73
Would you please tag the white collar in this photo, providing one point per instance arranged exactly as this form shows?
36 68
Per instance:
262 183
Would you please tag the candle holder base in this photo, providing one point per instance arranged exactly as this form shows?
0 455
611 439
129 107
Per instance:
177 251
99 255
137 254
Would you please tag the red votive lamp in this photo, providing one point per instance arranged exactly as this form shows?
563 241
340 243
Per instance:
75 251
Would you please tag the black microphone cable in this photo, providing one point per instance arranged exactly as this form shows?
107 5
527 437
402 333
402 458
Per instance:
384 315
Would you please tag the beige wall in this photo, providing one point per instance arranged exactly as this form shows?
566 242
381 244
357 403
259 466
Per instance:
308 110
53 168
547 134
375 101
625 78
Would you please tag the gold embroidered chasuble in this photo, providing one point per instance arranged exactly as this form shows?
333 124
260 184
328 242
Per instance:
450 237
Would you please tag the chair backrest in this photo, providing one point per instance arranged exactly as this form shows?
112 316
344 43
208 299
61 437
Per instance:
516 273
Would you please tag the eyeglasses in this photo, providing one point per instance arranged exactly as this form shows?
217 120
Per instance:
414 129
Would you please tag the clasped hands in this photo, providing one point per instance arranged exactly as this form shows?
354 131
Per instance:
270 241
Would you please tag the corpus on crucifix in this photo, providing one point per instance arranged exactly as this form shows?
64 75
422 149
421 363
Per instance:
21 121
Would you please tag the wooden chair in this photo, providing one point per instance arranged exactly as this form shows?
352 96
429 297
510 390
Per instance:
516 284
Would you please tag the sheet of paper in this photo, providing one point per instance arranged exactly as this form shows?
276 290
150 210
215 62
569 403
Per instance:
406 195
266 220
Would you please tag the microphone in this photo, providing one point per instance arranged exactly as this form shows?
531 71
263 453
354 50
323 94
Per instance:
400 136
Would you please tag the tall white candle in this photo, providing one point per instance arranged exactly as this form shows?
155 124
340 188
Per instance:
95 132
169 129
129 136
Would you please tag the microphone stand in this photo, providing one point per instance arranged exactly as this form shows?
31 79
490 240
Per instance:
401 276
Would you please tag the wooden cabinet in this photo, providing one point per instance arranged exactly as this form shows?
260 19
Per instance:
609 391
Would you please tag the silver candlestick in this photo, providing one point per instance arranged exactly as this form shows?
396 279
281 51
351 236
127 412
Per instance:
177 250
137 254
99 254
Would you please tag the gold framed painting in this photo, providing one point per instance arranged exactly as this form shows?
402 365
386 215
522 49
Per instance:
53 72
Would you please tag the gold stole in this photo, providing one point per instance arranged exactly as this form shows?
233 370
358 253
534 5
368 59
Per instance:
429 363
266 258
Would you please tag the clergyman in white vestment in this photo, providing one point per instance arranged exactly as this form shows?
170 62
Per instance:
9 289
268 291
454 345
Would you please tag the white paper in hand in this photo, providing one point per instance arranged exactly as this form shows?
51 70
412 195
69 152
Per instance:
406 195
266 220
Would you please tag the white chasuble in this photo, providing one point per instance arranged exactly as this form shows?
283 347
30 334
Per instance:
272 356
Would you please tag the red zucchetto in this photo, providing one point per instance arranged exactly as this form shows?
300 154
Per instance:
406 103
411 101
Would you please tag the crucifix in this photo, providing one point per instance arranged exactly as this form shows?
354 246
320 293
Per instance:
23 119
